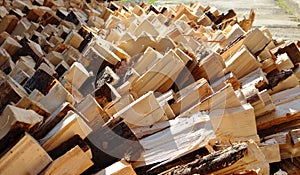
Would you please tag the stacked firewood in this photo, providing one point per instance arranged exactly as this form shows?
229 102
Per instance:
92 87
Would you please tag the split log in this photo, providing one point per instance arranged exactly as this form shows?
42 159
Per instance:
11 46
76 75
74 161
112 142
56 97
191 95
11 92
235 124
242 63
271 150
41 81
50 122
71 125
106 95
8 23
166 68
145 111
92 111
26 152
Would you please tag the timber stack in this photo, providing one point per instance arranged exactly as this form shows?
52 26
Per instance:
92 87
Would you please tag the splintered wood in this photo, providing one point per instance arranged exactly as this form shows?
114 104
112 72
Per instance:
90 87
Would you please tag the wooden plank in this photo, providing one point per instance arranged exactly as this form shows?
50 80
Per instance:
28 153
74 161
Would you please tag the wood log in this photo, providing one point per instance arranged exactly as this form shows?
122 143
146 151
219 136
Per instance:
28 153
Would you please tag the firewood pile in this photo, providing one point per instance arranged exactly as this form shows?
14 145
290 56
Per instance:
92 87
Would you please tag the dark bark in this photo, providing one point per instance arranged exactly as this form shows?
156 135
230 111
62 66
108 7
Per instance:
212 162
